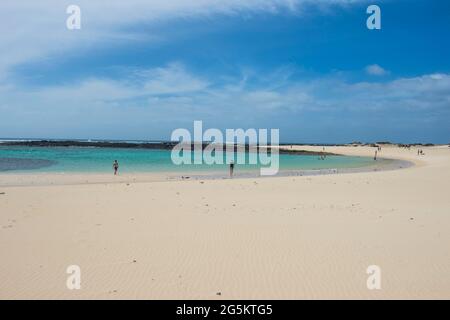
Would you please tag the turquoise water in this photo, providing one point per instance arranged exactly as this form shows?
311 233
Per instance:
99 160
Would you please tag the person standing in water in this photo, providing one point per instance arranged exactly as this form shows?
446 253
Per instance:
231 169
116 167
376 153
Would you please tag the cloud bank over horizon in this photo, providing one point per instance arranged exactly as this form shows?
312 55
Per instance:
175 96
150 83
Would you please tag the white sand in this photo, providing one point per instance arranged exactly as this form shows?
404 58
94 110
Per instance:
284 237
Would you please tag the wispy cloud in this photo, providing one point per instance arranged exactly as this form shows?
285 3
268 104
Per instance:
40 30
148 102
173 79
173 95
376 70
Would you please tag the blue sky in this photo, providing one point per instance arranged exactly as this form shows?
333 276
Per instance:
140 69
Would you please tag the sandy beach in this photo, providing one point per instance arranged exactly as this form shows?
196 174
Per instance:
292 237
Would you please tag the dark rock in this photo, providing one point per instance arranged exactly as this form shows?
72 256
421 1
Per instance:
169 145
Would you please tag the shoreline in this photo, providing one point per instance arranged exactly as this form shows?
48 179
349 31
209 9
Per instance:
24 179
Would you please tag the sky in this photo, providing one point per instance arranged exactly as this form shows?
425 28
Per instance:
139 69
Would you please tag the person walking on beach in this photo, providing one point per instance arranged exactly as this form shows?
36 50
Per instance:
376 153
116 167
231 169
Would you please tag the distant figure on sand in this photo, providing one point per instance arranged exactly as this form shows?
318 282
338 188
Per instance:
231 169
376 153
115 167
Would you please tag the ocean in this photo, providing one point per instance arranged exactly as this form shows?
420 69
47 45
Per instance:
17 159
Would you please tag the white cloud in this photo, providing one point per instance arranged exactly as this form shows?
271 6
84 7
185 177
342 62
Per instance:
169 94
38 27
172 94
376 70
171 80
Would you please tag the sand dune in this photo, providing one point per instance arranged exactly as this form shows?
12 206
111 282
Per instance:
272 238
